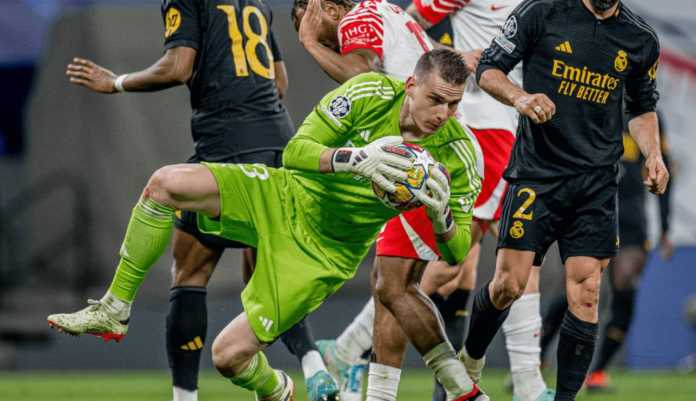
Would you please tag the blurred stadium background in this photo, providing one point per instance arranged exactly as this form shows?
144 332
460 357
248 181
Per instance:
72 163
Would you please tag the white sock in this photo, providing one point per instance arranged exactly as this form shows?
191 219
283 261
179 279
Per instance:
117 308
448 370
522 331
181 394
356 339
312 363
382 382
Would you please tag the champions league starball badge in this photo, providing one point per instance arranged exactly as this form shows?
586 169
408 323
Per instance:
510 27
339 106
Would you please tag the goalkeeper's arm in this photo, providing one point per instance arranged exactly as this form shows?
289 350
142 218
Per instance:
452 235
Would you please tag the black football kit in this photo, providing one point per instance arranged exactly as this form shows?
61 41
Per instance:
563 173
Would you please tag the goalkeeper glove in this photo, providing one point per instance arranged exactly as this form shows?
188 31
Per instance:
437 201
374 161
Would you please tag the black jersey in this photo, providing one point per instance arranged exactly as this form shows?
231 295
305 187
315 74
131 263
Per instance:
235 53
588 68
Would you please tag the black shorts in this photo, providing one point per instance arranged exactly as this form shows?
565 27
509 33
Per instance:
580 212
632 222
228 136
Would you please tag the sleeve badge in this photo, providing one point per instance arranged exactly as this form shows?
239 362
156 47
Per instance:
340 106
172 22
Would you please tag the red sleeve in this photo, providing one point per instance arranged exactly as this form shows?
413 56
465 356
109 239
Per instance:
362 28
435 11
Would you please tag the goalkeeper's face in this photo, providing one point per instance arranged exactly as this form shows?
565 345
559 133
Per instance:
432 101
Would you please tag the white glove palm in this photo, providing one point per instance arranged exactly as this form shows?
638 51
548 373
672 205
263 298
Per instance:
437 202
374 162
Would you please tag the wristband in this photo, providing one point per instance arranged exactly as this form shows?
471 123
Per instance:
118 83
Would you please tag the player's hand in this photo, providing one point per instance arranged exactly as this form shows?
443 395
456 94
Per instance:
311 21
666 247
90 75
437 201
471 59
375 162
657 176
538 107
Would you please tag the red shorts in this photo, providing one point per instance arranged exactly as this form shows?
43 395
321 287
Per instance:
410 235
496 145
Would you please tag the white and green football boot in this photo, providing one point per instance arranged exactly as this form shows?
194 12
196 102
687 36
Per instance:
94 320
349 376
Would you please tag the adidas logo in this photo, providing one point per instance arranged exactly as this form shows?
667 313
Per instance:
266 323
193 345
565 47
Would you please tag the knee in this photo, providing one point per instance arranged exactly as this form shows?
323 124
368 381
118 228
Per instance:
586 292
185 274
506 289
387 293
230 356
161 186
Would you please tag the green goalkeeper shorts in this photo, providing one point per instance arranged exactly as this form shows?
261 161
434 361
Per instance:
292 277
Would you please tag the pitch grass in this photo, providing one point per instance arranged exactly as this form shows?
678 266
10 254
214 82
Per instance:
415 386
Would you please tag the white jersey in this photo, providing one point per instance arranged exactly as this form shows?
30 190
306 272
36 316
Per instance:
475 23
387 30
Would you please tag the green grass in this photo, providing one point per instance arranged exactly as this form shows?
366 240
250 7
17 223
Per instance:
415 386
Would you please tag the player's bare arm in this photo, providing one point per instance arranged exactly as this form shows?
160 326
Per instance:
412 10
339 67
470 57
172 69
644 130
281 78
536 106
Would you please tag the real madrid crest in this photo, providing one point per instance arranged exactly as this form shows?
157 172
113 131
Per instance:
652 73
517 230
621 61
340 106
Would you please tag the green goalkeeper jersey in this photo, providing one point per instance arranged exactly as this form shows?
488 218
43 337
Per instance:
339 212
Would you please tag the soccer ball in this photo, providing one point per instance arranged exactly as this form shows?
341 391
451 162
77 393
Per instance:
404 198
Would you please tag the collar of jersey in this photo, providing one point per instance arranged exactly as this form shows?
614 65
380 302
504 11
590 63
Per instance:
586 12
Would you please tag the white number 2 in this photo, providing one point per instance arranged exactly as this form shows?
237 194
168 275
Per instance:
257 170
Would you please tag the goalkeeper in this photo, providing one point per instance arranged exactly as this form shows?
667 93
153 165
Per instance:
312 221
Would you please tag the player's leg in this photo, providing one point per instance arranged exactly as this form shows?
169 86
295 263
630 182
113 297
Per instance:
321 386
238 355
624 273
395 287
589 240
346 357
525 232
492 305
579 328
451 299
187 320
522 329
184 186
388 351
552 322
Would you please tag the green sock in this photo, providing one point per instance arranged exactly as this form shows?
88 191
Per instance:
258 377
147 236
